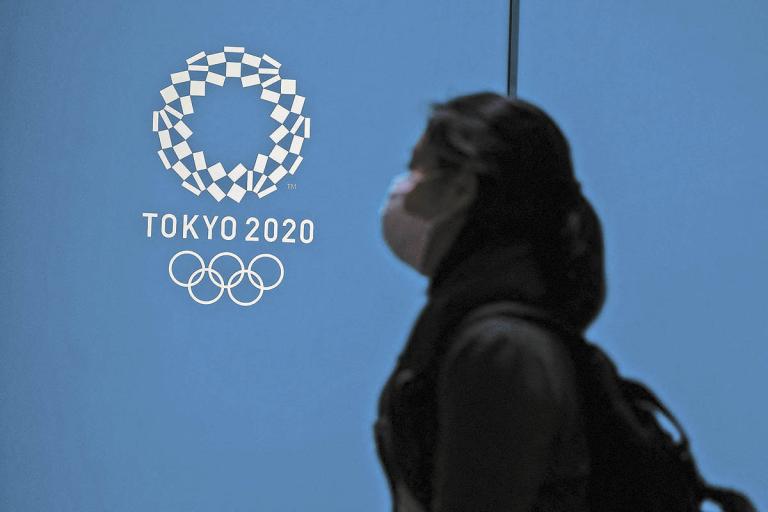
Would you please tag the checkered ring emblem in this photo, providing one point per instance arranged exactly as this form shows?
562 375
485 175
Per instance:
205 70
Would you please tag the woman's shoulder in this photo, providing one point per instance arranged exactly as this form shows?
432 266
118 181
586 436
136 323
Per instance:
508 337
504 349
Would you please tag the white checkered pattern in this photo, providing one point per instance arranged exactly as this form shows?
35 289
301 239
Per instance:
261 178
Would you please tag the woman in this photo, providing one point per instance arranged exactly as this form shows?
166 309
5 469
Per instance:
482 412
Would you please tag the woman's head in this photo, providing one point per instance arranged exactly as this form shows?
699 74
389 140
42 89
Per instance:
517 152
525 189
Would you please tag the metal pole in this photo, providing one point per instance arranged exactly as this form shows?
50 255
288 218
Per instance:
514 35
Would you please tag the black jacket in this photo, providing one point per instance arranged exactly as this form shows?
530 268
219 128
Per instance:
483 416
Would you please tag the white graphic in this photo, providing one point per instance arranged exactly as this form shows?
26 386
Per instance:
215 277
263 176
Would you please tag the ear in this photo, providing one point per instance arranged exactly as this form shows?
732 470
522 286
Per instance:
464 186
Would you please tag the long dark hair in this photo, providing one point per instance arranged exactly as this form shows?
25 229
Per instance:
526 190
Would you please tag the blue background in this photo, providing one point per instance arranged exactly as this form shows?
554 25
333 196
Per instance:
117 392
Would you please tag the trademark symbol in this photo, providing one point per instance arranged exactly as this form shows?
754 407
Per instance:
291 186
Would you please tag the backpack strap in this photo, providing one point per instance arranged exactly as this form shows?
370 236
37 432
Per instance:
632 389
523 311
728 499
640 393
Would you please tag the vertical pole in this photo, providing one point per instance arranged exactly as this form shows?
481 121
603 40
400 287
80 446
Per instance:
514 35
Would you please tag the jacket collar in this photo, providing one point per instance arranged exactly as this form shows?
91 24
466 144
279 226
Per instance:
490 271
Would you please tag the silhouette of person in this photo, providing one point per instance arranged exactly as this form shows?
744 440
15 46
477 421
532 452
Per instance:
483 414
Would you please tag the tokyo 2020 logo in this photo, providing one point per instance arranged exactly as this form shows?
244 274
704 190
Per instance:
197 174
200 174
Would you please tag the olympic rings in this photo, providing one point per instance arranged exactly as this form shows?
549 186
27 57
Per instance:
205 70
215 277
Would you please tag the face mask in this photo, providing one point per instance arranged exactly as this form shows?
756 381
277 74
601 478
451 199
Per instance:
419 241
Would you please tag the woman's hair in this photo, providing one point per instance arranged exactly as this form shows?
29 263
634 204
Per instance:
526 190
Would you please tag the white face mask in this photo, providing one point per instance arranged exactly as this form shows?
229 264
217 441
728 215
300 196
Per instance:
419 241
